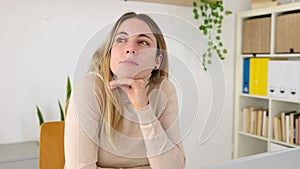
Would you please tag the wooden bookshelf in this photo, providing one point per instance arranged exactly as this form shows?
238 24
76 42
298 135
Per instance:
267 46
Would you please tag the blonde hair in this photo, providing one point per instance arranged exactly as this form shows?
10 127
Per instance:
112 107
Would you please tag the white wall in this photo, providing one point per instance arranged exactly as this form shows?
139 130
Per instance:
40 42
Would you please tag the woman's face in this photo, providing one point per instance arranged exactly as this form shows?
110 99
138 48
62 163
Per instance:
133 54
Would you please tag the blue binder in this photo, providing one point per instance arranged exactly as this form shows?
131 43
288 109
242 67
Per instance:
246 75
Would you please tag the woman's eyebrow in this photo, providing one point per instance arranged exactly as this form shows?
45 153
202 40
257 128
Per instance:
124 33
139 35
144 35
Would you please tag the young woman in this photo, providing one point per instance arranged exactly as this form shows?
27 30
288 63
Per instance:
124 112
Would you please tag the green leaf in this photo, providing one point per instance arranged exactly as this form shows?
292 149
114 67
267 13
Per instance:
201 27
219 31
209 54
225 51
228 12
62 114
206 7
205 21
221 8
196 16
213 6
201 8
210 43
218 37
220 44
204 32
68 89
195 11
40 115
194 4
209 61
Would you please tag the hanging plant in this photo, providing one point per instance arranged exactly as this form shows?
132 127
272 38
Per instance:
211 13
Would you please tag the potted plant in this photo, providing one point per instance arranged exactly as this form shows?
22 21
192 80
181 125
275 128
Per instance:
62 111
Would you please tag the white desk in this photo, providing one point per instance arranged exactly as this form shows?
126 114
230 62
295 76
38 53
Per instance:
285 159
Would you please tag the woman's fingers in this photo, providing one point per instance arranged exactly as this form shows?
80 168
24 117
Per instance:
135 90
120 83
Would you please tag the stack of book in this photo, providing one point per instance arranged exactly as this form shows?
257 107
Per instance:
255 121
286 127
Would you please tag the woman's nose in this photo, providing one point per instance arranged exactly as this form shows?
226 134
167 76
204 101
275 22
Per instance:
131 48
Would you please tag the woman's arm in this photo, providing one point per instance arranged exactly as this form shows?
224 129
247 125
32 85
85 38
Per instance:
82 125
162 135
80 151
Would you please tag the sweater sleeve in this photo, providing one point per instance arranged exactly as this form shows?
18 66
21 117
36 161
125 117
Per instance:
161 132
82 126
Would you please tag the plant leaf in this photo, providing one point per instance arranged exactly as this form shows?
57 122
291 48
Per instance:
40 115
194 4
228 12
62 114
69 89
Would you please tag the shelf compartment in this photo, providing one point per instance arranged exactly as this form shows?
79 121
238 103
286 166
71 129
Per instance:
256 29
253 135
250 145
284 144
287 36
247 100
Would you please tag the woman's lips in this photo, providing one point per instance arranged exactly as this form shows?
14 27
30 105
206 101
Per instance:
129 62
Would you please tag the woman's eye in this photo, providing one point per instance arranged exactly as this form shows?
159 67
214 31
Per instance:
121 40
144 43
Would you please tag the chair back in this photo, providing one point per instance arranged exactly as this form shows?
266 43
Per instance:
51 149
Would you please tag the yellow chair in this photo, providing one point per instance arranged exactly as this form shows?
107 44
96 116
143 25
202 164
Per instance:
51 154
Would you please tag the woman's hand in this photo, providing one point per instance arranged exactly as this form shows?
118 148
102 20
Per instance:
135 89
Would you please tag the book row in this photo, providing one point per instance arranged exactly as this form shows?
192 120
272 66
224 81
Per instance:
255 121
286 127
272 77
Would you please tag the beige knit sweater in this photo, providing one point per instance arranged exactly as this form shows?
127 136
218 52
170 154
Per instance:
148 139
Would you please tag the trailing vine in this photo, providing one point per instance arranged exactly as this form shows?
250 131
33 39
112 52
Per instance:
211 13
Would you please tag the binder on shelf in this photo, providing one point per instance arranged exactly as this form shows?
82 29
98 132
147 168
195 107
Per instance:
253 75
293 80
246 75
283 79
272 77
258 76
278 78
263 77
